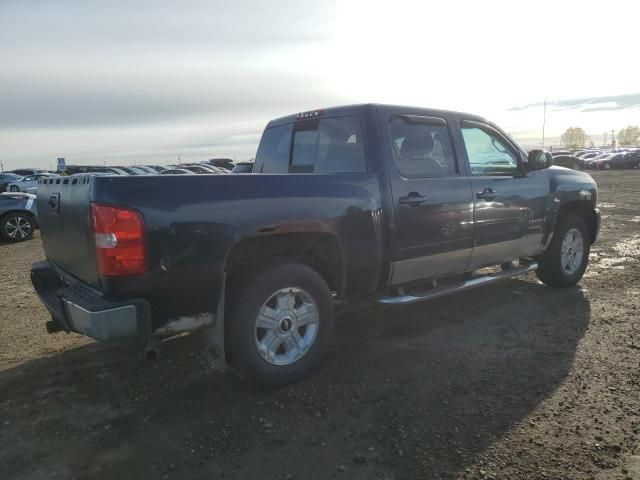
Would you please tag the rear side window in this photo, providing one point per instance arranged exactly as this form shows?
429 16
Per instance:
329 145
422 147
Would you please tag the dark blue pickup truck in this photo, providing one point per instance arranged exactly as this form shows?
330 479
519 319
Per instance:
377 203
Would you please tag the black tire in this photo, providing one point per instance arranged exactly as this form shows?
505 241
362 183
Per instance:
12 234
247 297
607 166
14 188
550 269
575 166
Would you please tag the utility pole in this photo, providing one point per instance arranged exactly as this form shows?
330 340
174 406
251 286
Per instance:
613 139
544 120
605 139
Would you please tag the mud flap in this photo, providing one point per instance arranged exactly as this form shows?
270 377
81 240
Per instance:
215 335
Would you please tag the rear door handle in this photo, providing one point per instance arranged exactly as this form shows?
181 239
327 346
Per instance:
414 199
487 194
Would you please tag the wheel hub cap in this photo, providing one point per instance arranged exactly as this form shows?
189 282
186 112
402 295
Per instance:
572 251
286 326
18 227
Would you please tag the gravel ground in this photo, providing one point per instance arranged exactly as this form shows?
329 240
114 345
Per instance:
513 381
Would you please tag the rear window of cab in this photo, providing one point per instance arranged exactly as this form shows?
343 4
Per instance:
324 146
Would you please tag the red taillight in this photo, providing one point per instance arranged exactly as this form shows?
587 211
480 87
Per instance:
118 234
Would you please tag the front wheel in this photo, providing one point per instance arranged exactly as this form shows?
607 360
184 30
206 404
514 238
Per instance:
607 166
14 188
565 260
280 324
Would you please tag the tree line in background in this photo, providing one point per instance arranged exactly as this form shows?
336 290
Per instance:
576 137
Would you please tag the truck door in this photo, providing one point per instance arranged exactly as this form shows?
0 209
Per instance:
510 206
433 208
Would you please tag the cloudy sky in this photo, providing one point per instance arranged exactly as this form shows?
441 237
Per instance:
148 81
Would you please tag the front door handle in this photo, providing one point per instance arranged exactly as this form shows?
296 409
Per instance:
487 194
414 199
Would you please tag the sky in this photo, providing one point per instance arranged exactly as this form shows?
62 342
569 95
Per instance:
126 82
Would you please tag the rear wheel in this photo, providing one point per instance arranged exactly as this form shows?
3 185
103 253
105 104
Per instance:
14 188
575 166
606 166
565 260
16 227
280 324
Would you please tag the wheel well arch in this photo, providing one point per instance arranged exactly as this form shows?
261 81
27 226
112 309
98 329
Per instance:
320 251
584 209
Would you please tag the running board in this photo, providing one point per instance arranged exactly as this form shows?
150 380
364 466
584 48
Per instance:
525 266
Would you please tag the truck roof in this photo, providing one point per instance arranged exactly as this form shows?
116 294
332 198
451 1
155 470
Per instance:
359 108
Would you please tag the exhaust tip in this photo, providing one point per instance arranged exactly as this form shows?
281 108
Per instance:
151 354
152 350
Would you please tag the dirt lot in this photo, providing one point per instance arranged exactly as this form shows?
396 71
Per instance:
513 381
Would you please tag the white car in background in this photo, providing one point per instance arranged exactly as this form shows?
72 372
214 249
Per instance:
28 184
18 216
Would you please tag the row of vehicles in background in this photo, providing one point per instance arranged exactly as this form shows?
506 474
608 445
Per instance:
598 159
26 179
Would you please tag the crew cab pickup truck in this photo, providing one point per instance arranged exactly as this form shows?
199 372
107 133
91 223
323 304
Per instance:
372 203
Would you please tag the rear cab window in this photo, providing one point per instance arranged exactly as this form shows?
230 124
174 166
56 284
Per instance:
333 145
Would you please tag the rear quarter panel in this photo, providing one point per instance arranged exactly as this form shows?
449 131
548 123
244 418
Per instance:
192 223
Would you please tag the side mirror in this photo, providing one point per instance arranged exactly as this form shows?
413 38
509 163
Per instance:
538 160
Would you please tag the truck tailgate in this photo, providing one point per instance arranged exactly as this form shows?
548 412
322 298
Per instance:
65 225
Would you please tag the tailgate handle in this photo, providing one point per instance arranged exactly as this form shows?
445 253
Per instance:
54 202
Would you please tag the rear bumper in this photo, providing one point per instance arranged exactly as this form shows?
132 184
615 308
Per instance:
76 307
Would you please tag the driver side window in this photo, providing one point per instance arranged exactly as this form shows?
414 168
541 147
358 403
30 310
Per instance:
488 154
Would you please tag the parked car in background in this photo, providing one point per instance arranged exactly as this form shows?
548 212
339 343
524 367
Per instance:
224 163
401 205
590 155
200 169
75 169
620 160
6 178
131 170
26 171
177 171
28 184
243 167
561 152
158 168
147 170
18 216
569 161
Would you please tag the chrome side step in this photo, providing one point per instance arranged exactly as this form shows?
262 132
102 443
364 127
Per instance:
525 266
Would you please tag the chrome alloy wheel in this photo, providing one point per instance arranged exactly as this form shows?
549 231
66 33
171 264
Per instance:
286 326
18 227
572 251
